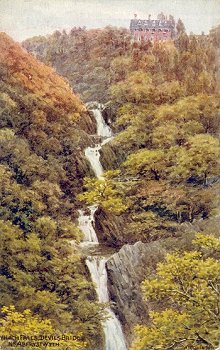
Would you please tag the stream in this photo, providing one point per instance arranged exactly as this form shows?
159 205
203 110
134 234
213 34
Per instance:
114 337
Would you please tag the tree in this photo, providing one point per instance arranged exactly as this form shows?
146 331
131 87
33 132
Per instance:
39 177
182 42
199 158
180 27
215 35
187 285
149 226
189 116
205 83
24 330
119 68
136 88
148 163
106 193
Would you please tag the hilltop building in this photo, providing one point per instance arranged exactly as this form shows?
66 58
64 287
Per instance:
160 29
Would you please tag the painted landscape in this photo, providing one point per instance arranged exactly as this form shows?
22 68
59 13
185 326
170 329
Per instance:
109 183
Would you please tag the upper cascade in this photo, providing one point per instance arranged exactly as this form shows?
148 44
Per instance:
103 129
105 132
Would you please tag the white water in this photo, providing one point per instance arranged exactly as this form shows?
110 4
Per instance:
114 338
93 155
103 129
86 226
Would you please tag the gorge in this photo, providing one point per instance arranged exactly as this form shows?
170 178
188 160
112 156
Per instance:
109 210
114 338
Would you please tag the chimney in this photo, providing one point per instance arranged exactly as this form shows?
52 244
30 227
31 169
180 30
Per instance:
149 17
135 16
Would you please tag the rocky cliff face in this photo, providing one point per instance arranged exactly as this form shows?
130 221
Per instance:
111 156
109 228
87 123
126 270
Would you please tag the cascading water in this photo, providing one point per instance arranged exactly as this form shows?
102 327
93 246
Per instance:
114 338
93 155
85 224
103 129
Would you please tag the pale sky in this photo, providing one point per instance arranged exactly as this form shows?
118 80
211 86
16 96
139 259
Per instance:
25 18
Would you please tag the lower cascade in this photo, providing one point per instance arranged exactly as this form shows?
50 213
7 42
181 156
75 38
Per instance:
114 337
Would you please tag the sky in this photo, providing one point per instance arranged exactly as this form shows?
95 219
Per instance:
22 19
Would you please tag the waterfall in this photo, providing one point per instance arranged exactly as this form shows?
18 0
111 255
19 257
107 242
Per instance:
103 129
93 155
86 226
114 338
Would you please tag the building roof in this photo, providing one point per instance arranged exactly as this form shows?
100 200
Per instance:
151 24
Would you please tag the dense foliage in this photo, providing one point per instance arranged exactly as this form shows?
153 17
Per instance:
164 101
167 107
167 117
25 331
40 172
188 285
83 57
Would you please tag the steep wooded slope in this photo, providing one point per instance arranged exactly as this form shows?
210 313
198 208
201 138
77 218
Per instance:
83 57
41 166
165 101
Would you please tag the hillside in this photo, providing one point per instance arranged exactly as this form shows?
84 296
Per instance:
162 175
157 200
43 130
83 57
164 102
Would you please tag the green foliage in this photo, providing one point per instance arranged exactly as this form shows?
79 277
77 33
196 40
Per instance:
167 122
199 159
136 88
148 163
189 285
106 193
41 141
32 328
208 243
165 102
87 58
91 59
176 145
149 226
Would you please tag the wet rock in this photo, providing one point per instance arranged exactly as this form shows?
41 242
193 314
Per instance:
109 228
111 156
109 114
126 270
